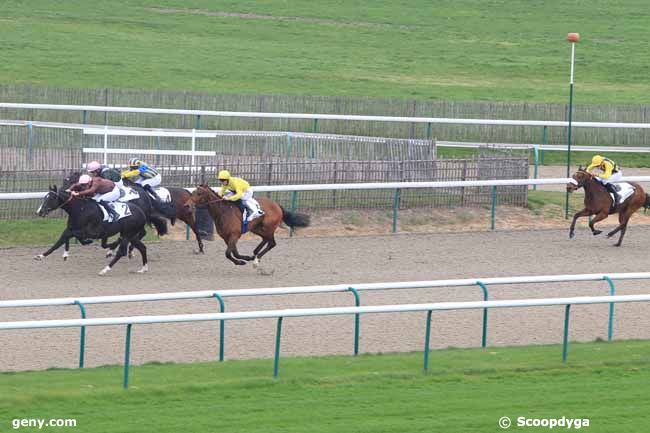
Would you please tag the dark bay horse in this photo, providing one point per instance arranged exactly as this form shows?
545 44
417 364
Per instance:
85 221
598 202
178 198
227 217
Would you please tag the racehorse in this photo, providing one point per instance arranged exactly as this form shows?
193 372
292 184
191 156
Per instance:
598 202
227 217
85 221
144 201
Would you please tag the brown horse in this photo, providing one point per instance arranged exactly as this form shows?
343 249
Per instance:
179 196
598 202
227 217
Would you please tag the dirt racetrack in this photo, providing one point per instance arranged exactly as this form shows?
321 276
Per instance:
311 261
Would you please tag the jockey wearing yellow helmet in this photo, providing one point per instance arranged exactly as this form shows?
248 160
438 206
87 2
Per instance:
236 188
609 175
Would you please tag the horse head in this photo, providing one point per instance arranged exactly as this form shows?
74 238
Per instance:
53 200
70 179
200 195
578 179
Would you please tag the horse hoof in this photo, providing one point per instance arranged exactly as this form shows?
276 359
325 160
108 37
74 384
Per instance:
256 262
572 235
240 263
597 232
144 269
105 270
197 252
109 253
65 255
39 257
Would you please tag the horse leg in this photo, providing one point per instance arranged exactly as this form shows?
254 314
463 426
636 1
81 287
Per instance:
198 237
235 253
111 247
140 235
124 243
137 243
63 239
270 244
599 217
583 212
231 246
623 218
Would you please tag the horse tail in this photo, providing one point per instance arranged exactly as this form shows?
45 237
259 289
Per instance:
169 211
160 223
295 219
646 204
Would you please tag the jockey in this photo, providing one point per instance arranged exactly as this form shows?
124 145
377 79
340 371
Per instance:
101 190
142 174
235 188
610 173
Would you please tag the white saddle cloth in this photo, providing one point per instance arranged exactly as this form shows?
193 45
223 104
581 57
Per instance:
122 210
128 194
164 194
626 191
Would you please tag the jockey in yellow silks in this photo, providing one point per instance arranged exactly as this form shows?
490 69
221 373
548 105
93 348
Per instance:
609 175
236 188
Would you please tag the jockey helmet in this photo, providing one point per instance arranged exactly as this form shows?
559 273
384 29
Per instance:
93 166
223 175
135 162
84 179
597 160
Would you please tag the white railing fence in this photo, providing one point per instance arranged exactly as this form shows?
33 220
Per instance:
281 314
353 288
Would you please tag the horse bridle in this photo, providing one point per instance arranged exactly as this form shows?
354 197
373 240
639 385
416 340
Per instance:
216 200
68 200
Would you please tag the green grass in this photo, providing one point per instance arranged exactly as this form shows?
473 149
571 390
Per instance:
42 231
447 50
465 391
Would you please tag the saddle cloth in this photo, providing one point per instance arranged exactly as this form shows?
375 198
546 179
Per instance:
122 210
626 191
164 194
128 194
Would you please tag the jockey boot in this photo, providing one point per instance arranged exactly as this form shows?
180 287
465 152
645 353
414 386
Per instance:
112 214
152 193
614 190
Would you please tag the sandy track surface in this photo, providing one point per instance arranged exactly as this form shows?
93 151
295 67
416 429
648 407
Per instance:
311 261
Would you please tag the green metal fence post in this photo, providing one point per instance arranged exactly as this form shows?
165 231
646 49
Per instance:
84 117
485 314
222 332
612 292
493 211
187 232
294 204
82 336
536 160
198 121
315 127
427 336
127 356
357 317
396 197
565 342
428 130
276 361
30 139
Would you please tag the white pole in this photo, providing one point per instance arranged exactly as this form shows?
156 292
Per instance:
573 55
193 150
105 144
